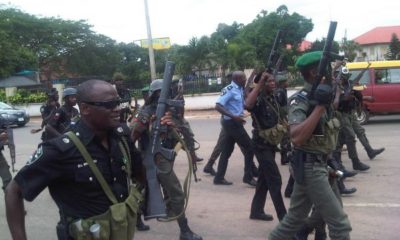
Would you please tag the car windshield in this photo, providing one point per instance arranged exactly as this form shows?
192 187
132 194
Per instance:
5 106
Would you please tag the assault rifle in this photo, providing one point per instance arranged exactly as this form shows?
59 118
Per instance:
274 59
10 142
155 207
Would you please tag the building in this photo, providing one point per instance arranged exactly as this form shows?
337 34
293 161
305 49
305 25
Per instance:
375 43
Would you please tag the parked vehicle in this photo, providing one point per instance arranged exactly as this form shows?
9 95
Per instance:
382 81
13 116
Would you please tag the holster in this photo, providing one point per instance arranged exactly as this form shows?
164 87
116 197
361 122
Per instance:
62 231
298 165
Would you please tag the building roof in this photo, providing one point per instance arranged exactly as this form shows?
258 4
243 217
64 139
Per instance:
304 45
17 81
378 35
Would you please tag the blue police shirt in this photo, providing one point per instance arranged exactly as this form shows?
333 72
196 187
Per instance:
232 99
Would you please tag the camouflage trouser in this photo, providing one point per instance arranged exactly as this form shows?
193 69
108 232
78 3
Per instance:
5 173
360 132
314 191
348 136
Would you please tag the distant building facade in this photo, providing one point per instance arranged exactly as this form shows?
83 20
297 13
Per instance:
375 43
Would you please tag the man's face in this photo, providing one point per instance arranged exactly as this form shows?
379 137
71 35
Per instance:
119 84
103 110
241 80
71 100
270 85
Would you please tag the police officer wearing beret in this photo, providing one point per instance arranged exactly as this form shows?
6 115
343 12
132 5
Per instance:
264 108
73 185
311 150
171 186
63 115
231 105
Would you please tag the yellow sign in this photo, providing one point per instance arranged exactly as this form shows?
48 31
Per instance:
158 43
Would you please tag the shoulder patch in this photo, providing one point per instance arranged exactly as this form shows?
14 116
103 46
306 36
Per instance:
229 87
36 155
223 92
63 143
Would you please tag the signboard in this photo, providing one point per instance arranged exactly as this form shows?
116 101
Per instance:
158 43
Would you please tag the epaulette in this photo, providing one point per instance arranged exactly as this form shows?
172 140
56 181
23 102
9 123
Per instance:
301 95
123 130
229 87
62 143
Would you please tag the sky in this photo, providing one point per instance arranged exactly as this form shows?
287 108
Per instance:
125 21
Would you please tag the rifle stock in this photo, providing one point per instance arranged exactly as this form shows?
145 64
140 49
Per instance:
155 207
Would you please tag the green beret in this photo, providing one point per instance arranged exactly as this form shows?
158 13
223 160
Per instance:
308 59
146 89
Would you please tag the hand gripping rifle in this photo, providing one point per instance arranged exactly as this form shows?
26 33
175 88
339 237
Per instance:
155 203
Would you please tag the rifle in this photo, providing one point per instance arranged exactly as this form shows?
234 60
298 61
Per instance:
155 207
11 146
274 59
324 63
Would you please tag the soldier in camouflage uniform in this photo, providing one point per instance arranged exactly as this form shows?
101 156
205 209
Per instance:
310 157
166 175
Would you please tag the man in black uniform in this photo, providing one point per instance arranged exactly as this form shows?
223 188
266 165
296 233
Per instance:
76 189
47 111
124 94
63 115
166 174
264 108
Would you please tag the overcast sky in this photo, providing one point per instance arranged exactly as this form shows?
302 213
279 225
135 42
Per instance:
124 20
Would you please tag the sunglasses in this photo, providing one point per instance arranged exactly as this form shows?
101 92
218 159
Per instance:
107 105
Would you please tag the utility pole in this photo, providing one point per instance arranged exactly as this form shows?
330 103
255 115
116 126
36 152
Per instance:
150 41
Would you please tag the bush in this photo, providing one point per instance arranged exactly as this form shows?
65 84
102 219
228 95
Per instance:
23 96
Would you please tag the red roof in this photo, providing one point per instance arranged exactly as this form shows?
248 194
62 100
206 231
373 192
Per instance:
378 35
304 45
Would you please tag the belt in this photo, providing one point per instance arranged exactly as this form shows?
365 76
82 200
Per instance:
312 157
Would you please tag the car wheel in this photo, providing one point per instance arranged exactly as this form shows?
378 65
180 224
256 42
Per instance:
362 116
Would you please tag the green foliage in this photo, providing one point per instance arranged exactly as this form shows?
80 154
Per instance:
350 49
23 96
394 48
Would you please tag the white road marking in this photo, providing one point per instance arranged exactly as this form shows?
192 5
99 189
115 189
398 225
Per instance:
378 205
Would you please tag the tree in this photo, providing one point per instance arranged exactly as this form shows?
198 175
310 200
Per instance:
350 49
393 52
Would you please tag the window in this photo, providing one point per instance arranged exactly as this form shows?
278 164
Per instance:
394 75
364 79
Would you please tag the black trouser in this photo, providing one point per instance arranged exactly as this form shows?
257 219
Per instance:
235 133
268 180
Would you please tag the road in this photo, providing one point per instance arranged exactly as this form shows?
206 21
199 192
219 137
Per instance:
222 212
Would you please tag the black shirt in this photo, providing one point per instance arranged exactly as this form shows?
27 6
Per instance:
62 118
58 165
265 110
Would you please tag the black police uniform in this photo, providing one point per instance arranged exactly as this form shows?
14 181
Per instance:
62 118
70 180
47 111
266 112
126 99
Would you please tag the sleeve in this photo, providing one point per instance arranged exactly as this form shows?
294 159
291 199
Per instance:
141 121
40 171
297 110
56 118
224 97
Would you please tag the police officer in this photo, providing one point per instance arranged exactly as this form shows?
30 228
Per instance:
231 105
63 115
166 175
5 173
264 108
310 156
47 111
81 188
124 94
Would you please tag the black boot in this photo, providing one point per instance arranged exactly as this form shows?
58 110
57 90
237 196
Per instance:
140 226
372 153
358 165
195 158
343 189
186 232
208 168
